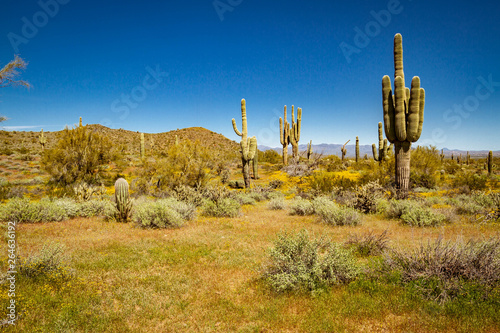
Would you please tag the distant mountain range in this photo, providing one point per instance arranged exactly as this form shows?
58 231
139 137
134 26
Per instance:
334 149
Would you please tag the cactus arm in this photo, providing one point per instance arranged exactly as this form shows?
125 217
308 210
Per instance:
299 121
375 154
388 106
236 128
398 56
413 111
421 113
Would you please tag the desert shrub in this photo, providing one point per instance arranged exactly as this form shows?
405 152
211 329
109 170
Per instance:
244 198
372 171
26 211
96 208
301 207
274 195
270 156
470 181
157 214
48 262
367 196
445 270
368 244
332 213
277 204
397 208
325 182
225 207
422 217
77 156
425 165
300 263
275 184
188 195
381 206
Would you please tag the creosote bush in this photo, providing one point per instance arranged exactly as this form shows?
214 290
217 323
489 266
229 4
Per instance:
300 263
445 270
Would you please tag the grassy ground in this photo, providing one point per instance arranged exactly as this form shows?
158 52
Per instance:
205 277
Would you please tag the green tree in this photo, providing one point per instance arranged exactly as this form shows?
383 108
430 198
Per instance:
77 156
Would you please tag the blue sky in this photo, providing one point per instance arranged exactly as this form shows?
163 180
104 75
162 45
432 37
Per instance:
155 66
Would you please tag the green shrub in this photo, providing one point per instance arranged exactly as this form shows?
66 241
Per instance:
444 270
76 156
301 207
26 211
367 196
425 165
422 217
397 208
333 214
157 214
245 199
48 262
225 207
277 204
325 182
299 263
270 156
470 181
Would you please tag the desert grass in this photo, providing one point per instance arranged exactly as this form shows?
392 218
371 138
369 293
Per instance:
207 277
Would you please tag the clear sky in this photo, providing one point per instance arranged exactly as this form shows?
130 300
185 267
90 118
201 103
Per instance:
155 66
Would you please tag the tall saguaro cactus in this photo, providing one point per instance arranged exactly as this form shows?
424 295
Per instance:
142 146
248 145
357 149
403 115
42 139
80 122
383 149
309 149
343 150
490 162
285 136
295 132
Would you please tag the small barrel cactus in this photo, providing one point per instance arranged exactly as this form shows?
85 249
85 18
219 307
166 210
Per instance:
122 200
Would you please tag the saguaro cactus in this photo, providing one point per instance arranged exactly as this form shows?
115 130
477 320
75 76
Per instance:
490 162
309 149
285 136
442 156
42 139
343 150
122 200
248 145
255 165
383 149
295 132
142 146
403 115
80 123
357 149
468 158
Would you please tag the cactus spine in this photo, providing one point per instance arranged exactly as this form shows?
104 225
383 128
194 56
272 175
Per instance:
309 149
122 200
383 150
343 150
295 132
490 162
285 136
403 116
43 140
142 145
248 145
357 149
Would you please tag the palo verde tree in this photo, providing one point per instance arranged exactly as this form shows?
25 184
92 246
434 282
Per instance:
403 116
77 156
9 73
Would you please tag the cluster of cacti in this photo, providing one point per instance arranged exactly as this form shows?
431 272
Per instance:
122 201
142 146
383 149
290 135
403 115
248 145
343 150
357 149
309 150
84 191
42 139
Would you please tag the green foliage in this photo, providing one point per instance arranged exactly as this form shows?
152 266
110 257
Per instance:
270 156
77 156
469 181
49 261
163 213
26 211
301 207
300 263
425 165
332 213
321 182
277 203
224 207
422 217
444 270
367 196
